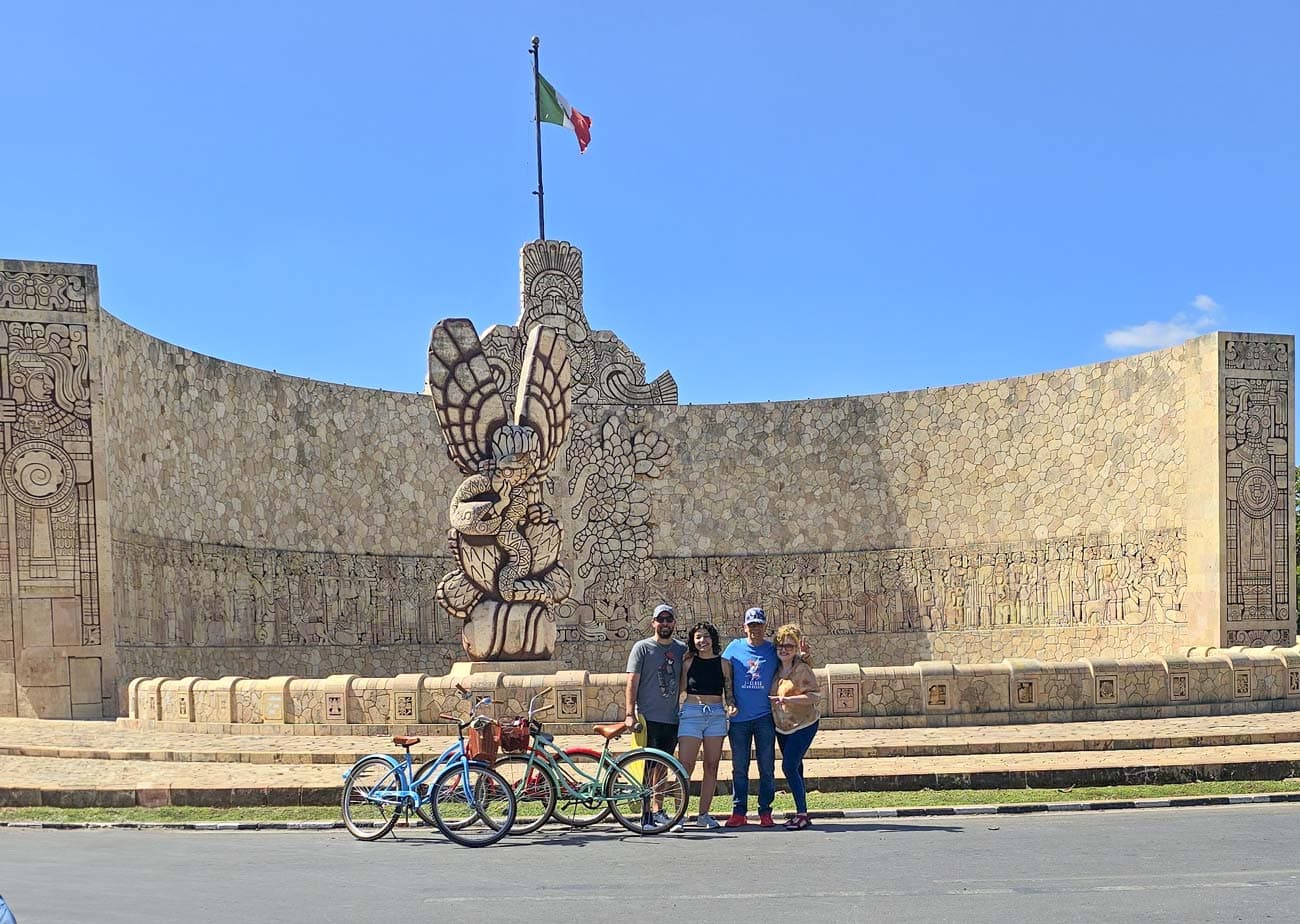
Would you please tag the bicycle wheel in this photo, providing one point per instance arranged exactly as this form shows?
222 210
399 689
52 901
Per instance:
473 806
574 810
649 798
534 789
371 804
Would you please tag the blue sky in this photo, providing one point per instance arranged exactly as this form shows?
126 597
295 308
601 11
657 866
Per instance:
778 202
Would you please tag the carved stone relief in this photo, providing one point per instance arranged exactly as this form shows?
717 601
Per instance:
504 536
605 370
609 461
1258 516
48 553
1085 581
172 593
42 291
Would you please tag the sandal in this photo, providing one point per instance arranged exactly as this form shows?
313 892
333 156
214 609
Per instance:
798 823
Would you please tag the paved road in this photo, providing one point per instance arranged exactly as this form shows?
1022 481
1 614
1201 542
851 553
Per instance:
1223 864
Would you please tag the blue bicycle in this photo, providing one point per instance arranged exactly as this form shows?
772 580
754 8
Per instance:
468 801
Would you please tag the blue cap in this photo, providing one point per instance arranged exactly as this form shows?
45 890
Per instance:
755 614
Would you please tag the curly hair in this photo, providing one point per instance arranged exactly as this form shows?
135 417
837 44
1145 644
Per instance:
790 632
690 638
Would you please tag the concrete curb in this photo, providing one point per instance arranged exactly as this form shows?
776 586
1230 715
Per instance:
1013 808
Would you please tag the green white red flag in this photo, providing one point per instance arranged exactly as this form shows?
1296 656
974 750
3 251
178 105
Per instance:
555 109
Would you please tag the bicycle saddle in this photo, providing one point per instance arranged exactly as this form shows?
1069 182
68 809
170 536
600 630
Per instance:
405 741
611 730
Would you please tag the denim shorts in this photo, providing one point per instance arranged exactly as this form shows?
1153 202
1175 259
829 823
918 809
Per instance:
702 721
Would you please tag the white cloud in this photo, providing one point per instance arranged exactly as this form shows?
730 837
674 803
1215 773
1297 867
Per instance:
1150 336
1154 335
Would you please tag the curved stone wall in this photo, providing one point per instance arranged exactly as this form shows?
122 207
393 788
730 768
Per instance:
255 524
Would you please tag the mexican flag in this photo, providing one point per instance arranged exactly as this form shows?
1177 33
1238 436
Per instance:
556 109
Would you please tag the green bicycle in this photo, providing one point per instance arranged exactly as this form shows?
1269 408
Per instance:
645 789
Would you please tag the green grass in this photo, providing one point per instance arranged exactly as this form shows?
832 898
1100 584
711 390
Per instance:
721 804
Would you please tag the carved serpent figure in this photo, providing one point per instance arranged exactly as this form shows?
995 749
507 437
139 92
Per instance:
505 539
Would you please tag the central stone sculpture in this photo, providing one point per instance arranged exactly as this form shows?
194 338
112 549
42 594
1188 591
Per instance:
506 540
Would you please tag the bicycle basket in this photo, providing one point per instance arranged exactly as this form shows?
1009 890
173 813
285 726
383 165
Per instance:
482 741
515 737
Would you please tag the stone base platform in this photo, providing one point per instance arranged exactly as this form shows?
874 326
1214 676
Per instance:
62 763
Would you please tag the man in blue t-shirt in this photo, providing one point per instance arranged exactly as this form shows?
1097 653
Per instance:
753 668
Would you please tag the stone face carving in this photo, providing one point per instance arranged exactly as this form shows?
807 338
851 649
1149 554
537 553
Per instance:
42 291
504 537
605 370
1258 514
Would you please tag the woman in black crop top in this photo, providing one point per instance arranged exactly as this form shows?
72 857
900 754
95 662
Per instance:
703 718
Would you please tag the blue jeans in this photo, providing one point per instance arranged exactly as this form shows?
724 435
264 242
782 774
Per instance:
760 736
793 747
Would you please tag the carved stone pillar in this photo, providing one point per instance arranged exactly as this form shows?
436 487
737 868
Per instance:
1241 525
56 650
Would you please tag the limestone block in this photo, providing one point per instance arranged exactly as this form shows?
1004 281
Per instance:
132 695
604 695
38 623
979 688
66 621
214 700
891 691
406 692
178 699
264 701
44 702
1067 685
42 667
150 698
372 698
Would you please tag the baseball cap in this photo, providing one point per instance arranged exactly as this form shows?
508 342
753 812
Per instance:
663 609
755 614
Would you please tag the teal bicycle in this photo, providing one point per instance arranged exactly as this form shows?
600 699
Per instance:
645 789
465 799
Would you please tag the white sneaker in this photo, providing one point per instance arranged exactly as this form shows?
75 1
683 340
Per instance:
708 822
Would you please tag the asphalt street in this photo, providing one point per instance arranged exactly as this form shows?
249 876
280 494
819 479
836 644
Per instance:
1192 864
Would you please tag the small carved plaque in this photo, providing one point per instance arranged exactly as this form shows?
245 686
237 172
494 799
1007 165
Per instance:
183 707
570 704
1293 683
937 696
274 706
334 707
845 698
1107 695
404 704
1179 686
1026 692
1241 684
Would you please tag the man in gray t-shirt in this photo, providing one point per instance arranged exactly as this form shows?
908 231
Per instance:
654 671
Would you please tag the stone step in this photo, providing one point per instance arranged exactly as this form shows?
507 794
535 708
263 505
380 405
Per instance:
71 782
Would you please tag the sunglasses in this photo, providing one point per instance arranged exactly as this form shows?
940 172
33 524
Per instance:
786 647
665 619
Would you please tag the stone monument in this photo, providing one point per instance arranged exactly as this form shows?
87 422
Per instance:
505 539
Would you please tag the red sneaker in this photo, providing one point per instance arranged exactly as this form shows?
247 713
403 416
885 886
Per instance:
765 820
735 821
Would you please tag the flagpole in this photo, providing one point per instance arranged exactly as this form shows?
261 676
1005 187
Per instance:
537 124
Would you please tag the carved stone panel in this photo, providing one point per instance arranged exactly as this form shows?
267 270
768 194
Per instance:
1259 522
605 370
49 546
